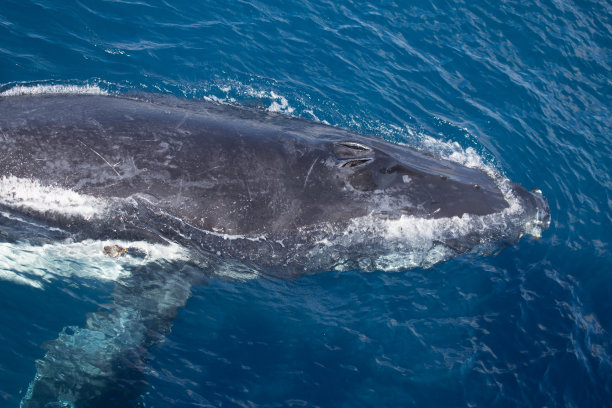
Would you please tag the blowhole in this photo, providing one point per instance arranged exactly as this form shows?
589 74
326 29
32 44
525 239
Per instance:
355 163
355 146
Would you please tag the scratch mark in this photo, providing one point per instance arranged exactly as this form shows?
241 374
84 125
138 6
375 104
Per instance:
179 196
310 171
185 116
100 156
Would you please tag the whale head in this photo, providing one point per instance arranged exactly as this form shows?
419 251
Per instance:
415 183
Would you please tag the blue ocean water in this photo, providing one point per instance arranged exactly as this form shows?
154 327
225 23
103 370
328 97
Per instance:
526 85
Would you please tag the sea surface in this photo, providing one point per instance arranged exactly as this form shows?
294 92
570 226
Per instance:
524 85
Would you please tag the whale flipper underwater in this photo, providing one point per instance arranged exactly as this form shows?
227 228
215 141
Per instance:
242 190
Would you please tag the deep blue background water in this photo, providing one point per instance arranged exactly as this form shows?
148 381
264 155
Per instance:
526 84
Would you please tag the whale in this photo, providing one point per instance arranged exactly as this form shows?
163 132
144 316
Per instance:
243 192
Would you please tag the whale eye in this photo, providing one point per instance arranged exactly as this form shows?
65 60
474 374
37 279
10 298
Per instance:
355 163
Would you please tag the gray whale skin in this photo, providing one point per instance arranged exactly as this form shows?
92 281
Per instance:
244 190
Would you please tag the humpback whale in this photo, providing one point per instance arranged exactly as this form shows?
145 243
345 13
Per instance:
240 190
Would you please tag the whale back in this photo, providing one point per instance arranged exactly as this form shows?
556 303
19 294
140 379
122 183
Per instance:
228 169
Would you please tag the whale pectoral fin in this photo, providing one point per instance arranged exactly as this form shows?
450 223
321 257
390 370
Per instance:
101 364
87 366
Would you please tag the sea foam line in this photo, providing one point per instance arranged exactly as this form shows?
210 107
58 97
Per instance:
23 193
54 90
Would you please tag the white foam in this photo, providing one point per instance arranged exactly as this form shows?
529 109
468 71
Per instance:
54 89
22 193
10 276
409 241
35 265
278 103
216 99
417 242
